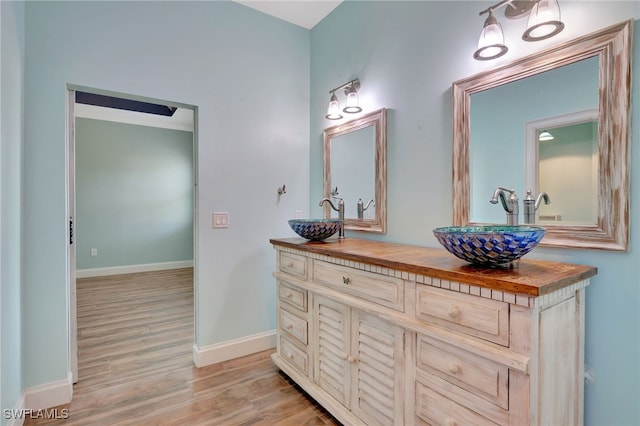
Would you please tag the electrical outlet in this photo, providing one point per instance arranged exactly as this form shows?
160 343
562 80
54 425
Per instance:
94 252
298 214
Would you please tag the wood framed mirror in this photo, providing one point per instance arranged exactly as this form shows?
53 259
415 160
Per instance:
608 54
355 169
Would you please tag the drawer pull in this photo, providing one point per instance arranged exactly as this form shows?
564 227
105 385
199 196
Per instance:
454 368
454 312
346 280
289 327
289 295
290 356
450 422
290 265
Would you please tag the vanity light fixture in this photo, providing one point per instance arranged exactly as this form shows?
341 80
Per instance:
333 111
491 42
351 91
544 22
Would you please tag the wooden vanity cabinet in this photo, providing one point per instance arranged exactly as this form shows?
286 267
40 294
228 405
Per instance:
387 334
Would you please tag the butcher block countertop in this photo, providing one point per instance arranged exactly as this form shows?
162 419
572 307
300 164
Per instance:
525 276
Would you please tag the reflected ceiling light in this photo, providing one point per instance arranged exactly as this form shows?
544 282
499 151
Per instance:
544 22
351 107
545 136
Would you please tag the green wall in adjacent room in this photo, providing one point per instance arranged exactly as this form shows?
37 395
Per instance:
134 194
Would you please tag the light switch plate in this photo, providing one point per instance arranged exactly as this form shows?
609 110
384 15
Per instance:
220 219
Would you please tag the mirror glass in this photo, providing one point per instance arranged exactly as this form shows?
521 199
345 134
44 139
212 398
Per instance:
355 171
577 92
499 119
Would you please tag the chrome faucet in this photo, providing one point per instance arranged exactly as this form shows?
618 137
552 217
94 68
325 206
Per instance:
510 205
362 207
531 204
340 211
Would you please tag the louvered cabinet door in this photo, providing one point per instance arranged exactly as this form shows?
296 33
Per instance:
377 370
332 345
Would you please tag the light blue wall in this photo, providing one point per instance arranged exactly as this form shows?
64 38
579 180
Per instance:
134 194
241 68
11 140
406 55
248 75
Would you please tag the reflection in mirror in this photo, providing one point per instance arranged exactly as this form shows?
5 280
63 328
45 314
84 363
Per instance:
562 159
499 117
594 72
355 170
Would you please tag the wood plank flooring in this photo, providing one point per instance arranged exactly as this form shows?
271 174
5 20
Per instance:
135 342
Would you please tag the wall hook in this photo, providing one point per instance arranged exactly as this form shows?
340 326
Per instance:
282 190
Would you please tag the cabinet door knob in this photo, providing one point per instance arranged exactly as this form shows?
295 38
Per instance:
346 280
351 359
454 368
454 312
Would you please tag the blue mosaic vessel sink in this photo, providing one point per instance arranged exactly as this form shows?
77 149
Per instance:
489 245
315 229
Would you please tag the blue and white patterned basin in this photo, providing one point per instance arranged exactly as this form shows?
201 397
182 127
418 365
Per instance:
489 245
315 229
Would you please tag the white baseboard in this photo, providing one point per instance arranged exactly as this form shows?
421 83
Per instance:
49 395
213 354
130 269
15 417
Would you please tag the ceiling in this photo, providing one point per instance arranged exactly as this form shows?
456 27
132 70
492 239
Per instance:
304 13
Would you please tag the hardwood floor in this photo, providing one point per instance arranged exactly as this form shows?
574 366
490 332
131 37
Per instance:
135 341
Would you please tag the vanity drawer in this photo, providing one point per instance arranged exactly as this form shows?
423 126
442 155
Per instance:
473 315
294 355
296 327
293 295
382 289
436 409
467 370
293 264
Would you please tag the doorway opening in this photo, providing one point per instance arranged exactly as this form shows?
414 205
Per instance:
131 189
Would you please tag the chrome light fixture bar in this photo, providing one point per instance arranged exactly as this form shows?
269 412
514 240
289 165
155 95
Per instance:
352 106
544 22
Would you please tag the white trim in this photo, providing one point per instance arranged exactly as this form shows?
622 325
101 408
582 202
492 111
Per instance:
531 140
16 420
49 395
213 354
182 119
129 269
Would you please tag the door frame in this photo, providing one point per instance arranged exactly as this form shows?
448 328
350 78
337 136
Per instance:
72 325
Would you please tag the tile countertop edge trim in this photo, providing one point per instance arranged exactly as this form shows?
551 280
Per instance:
545 281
